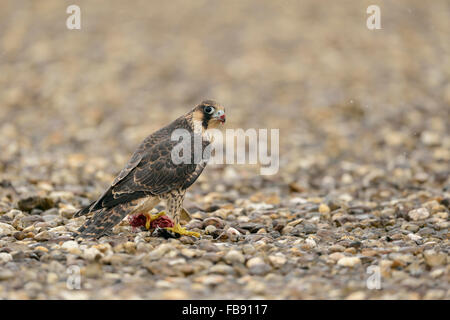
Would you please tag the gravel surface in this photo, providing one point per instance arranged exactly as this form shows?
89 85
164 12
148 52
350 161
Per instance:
363 188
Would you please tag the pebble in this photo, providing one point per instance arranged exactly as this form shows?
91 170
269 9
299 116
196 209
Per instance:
70 245
277 260
6 274
248 249
233 234
435 259
324 209
336 256
210 229
42 236
5 257
419 214
336 248
6 229
213 221
234 256
349 261
254 262
310 243
92 254
414 237
221 269
30 203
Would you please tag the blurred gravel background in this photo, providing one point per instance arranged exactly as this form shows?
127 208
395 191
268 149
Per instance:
364 146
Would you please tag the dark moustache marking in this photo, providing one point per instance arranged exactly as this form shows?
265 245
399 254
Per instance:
206 118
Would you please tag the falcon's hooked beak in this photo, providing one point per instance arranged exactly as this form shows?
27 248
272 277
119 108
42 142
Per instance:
219 115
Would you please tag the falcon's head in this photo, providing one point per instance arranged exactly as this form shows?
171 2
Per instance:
210 114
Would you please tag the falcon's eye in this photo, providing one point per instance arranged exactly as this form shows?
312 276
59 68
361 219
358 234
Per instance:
209 110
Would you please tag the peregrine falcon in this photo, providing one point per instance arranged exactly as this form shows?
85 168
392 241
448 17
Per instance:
151 175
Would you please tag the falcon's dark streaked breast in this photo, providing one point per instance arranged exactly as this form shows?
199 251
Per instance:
151 176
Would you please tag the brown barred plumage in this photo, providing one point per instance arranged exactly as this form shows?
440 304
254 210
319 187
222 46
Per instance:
151 175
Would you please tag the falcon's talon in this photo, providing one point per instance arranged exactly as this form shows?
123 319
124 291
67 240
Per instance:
151 217
180 230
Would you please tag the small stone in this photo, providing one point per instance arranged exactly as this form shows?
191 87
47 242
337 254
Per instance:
93 270
326 235
441 215
434 259
434 294
414 237
336 248
157 253
13 213
324 209
52 278
419 214
5 257
50 212
211 256
42 236
310 242
6 274
385 267
194 224
349 261
69 245
216 222
437 273
233 234
6 229
20 235
277 260
309 228
68 212
130 247
248 249
92 254
175 294
28 204
410 227
430 138
234 256
254 261
260 269
221 269
350 250
336 256
388 213
210 229
358 295
295 222
287 230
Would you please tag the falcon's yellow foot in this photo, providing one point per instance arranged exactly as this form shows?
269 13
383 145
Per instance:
180 230
152 217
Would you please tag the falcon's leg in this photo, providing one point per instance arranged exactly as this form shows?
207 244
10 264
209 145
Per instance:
174 206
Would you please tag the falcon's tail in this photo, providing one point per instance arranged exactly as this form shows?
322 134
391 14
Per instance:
102 222
85 210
